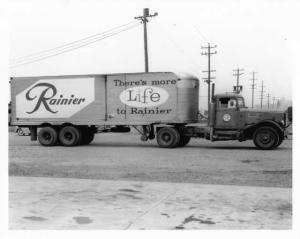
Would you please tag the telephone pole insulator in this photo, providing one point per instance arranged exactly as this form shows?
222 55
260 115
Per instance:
208 79
144 20
238 88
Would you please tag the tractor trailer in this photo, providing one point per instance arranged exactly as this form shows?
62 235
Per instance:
69 110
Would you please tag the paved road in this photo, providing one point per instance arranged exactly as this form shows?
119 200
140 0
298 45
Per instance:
125 157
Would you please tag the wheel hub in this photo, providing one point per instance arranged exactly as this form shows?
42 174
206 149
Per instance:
265 138
166 137
47 136
68 136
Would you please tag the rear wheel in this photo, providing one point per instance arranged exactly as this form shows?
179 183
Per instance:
266 138
69 136
47 136
168 137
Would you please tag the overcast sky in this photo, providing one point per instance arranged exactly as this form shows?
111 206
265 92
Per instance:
253 35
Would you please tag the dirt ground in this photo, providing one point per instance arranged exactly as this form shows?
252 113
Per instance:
125 157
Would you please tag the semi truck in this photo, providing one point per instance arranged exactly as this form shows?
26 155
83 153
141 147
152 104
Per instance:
70 110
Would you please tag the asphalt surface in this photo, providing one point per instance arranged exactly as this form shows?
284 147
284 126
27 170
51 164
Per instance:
125 157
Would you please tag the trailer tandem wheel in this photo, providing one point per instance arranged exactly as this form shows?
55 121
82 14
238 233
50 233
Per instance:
69 136
168 137
47 136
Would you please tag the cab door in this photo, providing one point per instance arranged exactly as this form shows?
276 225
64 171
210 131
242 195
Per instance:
226 113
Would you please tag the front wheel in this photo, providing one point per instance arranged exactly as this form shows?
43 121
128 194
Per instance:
266 138
168 137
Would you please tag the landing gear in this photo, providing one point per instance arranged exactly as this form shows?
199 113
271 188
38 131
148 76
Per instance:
266 138
147 132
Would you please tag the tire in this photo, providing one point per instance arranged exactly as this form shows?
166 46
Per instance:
20 132
266 138
168 137
70 136
87 136
47 136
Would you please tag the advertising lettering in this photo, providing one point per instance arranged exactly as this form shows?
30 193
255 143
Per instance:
55 98
144 97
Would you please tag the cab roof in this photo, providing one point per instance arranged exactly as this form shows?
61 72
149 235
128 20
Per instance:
227 95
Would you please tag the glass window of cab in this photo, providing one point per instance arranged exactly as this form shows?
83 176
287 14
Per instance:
241 102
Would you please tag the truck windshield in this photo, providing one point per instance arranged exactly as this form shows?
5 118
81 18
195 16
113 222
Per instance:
241 102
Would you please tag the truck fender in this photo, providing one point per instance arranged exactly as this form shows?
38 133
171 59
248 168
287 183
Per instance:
249 130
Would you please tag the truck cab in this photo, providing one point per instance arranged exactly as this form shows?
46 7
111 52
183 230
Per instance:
227 111
230 119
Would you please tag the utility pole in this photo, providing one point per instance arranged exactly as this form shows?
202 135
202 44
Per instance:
238 88
208 53
253 86
274 98
268 95
278 103
144 20
262 94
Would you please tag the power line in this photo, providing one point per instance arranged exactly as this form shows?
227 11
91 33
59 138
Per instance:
70 48
200 34
73 48
61 47
179 48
